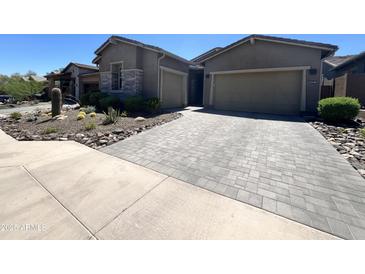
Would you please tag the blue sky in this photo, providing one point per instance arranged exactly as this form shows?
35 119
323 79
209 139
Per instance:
44 53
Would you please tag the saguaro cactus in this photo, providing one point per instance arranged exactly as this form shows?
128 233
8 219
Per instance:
56 101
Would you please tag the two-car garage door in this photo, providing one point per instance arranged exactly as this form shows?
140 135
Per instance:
277 92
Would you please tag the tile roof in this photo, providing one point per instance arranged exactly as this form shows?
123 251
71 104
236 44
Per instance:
335 61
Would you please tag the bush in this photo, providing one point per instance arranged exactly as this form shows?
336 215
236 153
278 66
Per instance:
152 105
111 117
90 126
96 97
85 99
92 98
338 109
134 104
50 130
15 115
109 101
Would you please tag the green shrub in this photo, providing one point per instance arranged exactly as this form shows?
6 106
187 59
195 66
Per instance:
111 117
85 99
50 130
15 115
152 105
134 104
90 126
92 98
338 109
109 101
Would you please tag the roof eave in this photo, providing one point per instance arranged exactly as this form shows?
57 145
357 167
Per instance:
330 50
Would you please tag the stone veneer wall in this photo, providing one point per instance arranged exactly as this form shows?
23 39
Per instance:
132 82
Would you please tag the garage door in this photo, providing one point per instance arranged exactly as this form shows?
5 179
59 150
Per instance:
264 92
173 89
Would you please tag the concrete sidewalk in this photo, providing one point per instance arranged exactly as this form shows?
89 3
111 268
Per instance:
64 190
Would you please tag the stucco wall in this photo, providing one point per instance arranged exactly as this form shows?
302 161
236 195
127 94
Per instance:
268 55
174 64
340 85
149 61
119 52
356 86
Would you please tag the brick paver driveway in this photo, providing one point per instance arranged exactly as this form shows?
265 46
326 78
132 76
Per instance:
283 166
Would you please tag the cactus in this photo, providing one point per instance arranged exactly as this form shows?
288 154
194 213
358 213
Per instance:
56 101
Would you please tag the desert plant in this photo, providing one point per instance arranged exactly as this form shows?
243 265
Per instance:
109 101
90 126
56 101
134 104
80 116
338 109
124 114
15 115
152 105
50 130
82 113
111 117
88 109
92 114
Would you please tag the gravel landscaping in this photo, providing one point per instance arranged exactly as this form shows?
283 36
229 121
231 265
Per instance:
40 126
348 140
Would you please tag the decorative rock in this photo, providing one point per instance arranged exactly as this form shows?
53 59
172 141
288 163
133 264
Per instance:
79 135
62 139
140 119
118 131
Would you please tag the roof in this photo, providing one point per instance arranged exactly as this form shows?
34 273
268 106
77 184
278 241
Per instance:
89 74
351 60
34 78
335 61
205 54
115 38
328 48
84 66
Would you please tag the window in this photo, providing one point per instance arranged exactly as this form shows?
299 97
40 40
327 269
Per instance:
117 81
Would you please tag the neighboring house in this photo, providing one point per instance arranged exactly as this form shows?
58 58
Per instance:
264 74
75 79
345 76
128 67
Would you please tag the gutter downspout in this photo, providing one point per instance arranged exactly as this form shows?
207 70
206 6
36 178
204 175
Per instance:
159 74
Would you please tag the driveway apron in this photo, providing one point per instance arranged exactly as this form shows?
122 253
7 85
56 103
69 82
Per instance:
280 164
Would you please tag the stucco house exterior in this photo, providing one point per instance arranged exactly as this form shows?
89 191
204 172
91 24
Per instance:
345 76
75 79
128 68
264 74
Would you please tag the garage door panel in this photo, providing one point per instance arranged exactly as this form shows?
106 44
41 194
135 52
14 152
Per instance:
172 90
266 92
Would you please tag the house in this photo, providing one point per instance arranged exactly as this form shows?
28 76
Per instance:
75 79
345 76
129 68
264 74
